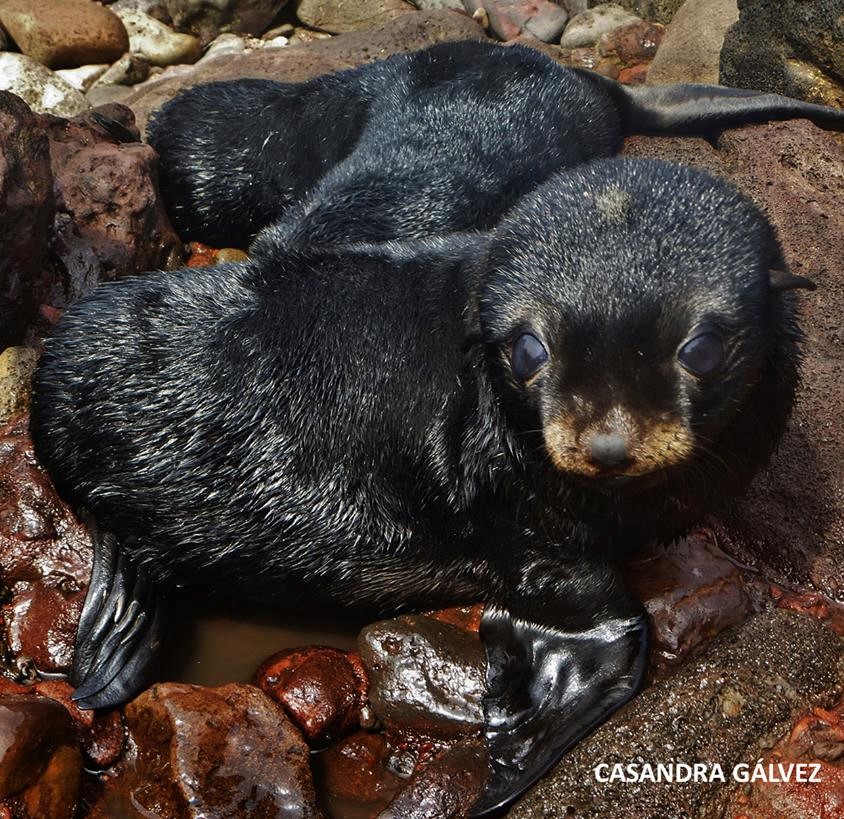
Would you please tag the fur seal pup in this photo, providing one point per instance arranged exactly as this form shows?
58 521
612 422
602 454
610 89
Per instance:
475 417
443 139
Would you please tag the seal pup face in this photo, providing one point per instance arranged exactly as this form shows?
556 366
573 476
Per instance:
628 308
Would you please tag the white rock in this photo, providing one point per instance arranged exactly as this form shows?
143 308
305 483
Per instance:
157 42
43 90
586 29
84 77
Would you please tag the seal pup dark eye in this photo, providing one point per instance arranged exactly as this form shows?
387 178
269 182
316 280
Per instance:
702 355
527 356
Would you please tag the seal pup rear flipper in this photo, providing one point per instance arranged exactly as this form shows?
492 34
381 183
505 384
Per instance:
691 108
119 632
552 680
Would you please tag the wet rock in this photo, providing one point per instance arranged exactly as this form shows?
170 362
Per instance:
466 617
408 32
656 11
17 364
631 44
322 689
587 28
43 90
339 16
447 786
84 77
510 19
817 737
40 764
726 707
156 42
691 591
354 775
130 69
426 677
792 48
205 20
45 560
227 751
64 33
691 48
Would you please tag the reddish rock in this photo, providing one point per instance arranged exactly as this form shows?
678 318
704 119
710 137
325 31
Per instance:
26 212
202 752
45 561
427 677
204 256
64 33
633 43
465 617
322 689
354 777
447 786
692 592
509 19
40 764
637 75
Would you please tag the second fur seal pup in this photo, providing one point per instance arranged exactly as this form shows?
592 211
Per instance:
438 140
479 417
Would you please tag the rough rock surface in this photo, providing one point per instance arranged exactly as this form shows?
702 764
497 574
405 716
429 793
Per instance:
40 762
43 90
64 33
657 11
339 16
790 527
691 48
792 47
586 29
158 43
406 33
45 560
26 207
17 364
725 707
542 19
206 19
202 752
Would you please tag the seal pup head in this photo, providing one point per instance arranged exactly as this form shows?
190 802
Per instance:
631 309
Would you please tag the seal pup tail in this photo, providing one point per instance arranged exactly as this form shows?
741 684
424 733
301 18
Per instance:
119 634
691 108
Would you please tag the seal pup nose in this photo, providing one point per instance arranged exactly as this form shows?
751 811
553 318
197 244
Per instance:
609 450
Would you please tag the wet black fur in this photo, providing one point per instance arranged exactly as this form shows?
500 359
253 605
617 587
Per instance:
443 139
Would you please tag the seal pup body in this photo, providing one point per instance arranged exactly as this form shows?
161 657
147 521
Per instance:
443 139
475 417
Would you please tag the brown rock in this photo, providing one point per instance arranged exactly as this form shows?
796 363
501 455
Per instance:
724 707
408 32
339 16
322 689
17 364
354 775
45 561
447 786
206 20
221 752
26 211
631 44
64 33
40 764
691 591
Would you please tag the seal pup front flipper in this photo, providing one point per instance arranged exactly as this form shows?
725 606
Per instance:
558 666
119 634
692 108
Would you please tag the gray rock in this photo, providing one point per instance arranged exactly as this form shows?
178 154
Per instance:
425 676
691 48
207 19
157 42
792 48
41 89
130 69
433 5
586 29
726 707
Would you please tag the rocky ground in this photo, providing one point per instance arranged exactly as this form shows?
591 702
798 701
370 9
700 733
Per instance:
747 612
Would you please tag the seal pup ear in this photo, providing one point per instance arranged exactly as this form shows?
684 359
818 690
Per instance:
785 280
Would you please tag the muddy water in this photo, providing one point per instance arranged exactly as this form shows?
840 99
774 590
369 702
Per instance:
214 645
